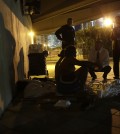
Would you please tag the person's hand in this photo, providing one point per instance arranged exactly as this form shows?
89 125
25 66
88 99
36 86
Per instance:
88 64
97 66
91 64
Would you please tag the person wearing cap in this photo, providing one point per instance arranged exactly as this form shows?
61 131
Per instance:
100 57
66 34
116 47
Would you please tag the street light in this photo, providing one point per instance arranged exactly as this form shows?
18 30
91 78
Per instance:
45 46
108 22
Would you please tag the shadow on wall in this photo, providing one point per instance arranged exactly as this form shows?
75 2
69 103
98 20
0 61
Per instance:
20 67
7 72
10 47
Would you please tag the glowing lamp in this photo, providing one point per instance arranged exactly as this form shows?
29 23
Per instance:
108 22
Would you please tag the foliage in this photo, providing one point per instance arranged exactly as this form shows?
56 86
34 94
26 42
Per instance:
86 38
53 41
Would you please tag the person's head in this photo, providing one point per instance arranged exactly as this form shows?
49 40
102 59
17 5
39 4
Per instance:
45 53
98 45
117 20
69 21
70 51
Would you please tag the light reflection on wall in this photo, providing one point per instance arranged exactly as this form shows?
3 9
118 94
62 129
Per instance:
31 34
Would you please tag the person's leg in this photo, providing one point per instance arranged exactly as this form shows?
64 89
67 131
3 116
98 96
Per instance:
116 64
106 70
92 73
81 74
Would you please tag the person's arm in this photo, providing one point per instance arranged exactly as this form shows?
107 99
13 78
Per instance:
58 34
74 34
87 64
112 35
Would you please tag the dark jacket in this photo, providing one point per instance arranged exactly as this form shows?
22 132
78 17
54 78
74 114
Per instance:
116 38
66 34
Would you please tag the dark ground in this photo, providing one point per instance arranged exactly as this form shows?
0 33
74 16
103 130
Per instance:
40 116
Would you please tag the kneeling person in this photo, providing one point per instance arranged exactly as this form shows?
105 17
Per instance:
100 57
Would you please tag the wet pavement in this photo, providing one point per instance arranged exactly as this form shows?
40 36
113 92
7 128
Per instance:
39 116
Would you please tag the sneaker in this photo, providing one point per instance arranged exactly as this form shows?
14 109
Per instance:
104 80
116 77
93 78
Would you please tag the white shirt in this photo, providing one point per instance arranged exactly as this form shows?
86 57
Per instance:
103 56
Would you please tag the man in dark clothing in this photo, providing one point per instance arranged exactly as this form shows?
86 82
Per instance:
66 34
116 47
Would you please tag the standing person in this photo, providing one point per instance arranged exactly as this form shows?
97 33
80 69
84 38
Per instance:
100 57
116 47
66 34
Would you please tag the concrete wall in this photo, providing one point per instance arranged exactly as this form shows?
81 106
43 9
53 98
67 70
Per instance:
14 42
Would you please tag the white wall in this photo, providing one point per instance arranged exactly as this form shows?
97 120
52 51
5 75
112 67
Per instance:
14 42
